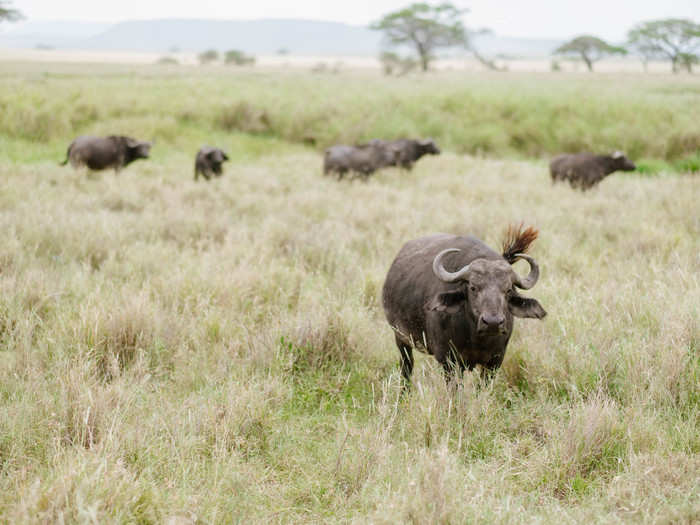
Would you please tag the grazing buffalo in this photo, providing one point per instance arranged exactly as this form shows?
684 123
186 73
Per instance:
364 159
408 150
99 153
585 170
455 298
208 162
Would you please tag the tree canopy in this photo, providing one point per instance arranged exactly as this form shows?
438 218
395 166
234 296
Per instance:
425 27
677 39
8 13
589 48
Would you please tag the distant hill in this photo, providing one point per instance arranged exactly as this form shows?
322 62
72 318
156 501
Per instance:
266 36
253 36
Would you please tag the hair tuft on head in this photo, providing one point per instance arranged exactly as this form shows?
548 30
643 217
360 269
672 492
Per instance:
517 240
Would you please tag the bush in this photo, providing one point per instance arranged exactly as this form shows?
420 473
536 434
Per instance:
238 58
395 64
243 117
689 164
168 61
208 56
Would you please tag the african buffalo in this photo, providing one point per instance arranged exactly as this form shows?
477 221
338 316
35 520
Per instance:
208 162
409 150
585 170
455 298
364 159
99 153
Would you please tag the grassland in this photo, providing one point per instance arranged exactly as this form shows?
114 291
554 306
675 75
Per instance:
653 118
174 352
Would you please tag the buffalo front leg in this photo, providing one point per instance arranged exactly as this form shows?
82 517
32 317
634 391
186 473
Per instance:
489 370
451 365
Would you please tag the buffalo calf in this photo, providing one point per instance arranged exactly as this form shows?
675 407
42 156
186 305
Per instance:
209 162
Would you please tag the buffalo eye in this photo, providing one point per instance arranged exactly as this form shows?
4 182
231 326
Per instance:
472 288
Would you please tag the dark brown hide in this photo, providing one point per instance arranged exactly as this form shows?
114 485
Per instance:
209 162
408 150
585 170
468 321
364 159
411 150
99 153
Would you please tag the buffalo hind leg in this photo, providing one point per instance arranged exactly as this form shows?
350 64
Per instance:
406 352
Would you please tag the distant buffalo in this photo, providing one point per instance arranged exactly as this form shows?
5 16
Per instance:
455 298
408 150
364 159
585 170
209 162
99 153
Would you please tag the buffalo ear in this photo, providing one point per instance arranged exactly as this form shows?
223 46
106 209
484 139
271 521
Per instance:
449 302
521 306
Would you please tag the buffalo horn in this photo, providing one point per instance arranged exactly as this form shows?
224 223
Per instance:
527 282
443 274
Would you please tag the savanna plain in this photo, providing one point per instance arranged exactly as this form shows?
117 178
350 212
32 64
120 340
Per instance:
182 352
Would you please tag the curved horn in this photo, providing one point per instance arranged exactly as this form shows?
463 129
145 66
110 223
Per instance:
528 282
444 275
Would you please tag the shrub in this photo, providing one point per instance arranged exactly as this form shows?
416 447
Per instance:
208 56
168 61
238 58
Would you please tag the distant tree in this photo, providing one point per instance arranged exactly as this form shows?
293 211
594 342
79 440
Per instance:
208 56
238 58
645 52
425 27
395 64
589 48
283 51
676 39
7 13
688 60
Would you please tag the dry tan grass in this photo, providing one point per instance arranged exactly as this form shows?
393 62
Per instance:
213 353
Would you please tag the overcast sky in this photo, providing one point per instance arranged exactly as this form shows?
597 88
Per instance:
609 19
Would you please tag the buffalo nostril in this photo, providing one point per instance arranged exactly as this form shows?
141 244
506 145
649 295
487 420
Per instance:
492 320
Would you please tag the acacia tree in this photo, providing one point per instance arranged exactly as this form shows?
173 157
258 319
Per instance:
677 39
589 48
8 13
425 27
